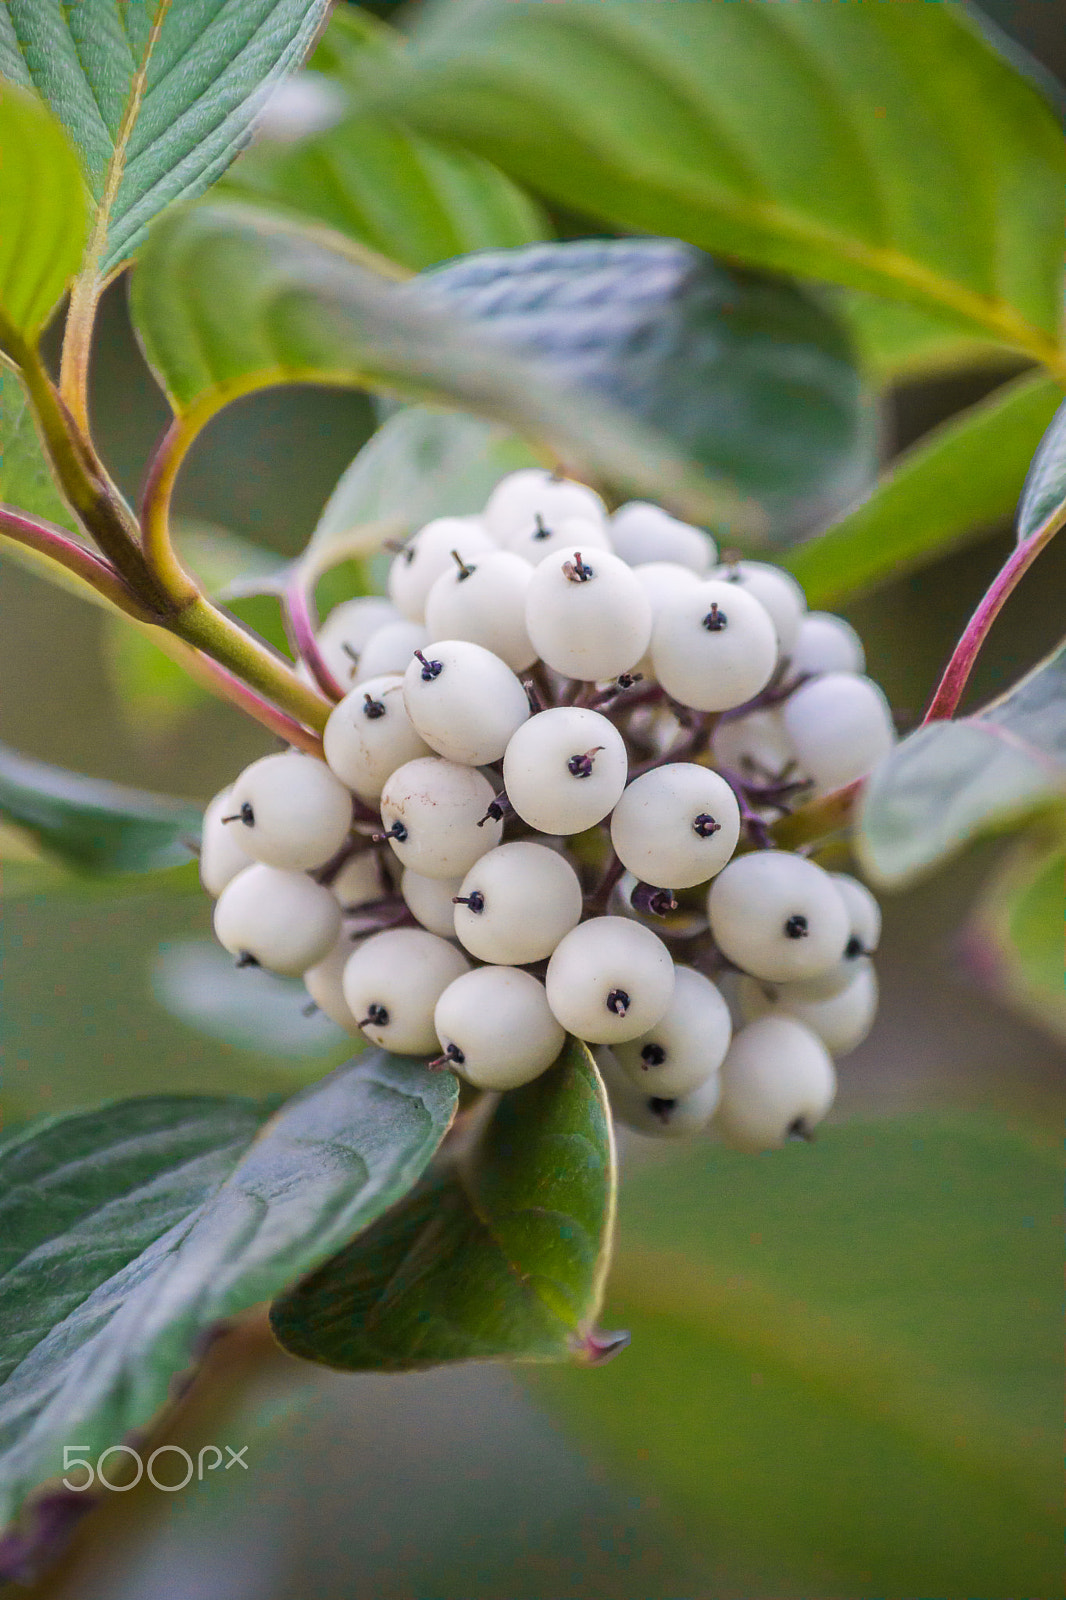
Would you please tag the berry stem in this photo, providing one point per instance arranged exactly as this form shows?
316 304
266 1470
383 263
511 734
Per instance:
950 689
596 902
298 612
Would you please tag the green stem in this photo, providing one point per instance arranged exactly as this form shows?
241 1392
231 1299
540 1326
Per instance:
201 624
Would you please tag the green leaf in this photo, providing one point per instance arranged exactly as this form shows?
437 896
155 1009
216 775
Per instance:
93 826
949 782
899 344
420 464
44 210
951 486
130 1231
157 95
414 200
1014 944
249 1008
847 1366
26 479
884 147
500 1252
229 299
1045 485
155 695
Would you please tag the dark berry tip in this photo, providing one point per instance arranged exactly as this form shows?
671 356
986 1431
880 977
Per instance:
716 619
653 1055
706 826
618 1002
797 927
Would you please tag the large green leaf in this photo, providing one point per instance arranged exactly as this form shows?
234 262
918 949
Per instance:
949 782
952 485
898 343
420 464
884 147
91 825
26 479
228 299
131 1230
1045 485
847 1360
414 200
1014 945
44 211
158 95
500 1252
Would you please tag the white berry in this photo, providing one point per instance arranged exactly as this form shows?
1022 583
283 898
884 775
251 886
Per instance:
519 900
840 726
688 1043
464 701
777 916
864 934
656 1116
713 648
427 554
777 1084
774 588
641 532
676 825
756 746
392 984
345 632
841 1020
431 901
388 651
609 980
496 1029
587 615
361 881
324 983
283 921
565 769
484 600
431 810
520 498
541 539
369 734
222 855
826 643
291 811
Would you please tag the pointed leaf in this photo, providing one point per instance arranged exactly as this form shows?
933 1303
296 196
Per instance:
26 479
501 1252
949 782
847 1360
249 1008
886 147
44 211
132 1230
92 825
414 200
158 95
1045 485
952 485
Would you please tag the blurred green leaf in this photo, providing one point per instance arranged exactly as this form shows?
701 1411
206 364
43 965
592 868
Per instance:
44 209
897 343
845 1359
750 376
952 485
158 99
1045 485
885 147
26 479
130 1231
1015 942
949 782
154 693
91 825
414 200
420 464
197 982
500 1252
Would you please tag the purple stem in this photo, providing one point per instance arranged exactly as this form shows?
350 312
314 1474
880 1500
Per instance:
949 690
298 609
51 541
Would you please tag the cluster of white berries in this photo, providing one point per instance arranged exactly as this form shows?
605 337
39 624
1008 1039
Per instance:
635 715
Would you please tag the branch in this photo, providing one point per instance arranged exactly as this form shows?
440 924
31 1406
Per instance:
950 689
298 610
49 541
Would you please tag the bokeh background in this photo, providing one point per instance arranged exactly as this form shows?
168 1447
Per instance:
846 1364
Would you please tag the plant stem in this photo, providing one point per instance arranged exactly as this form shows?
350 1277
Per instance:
219 636
949 690
298 610
50 541
159 552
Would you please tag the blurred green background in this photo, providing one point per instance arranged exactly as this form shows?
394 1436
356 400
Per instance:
845 1361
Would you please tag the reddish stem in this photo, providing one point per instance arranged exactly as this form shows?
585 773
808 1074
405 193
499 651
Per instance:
230 687
48 540
298 609
950 689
